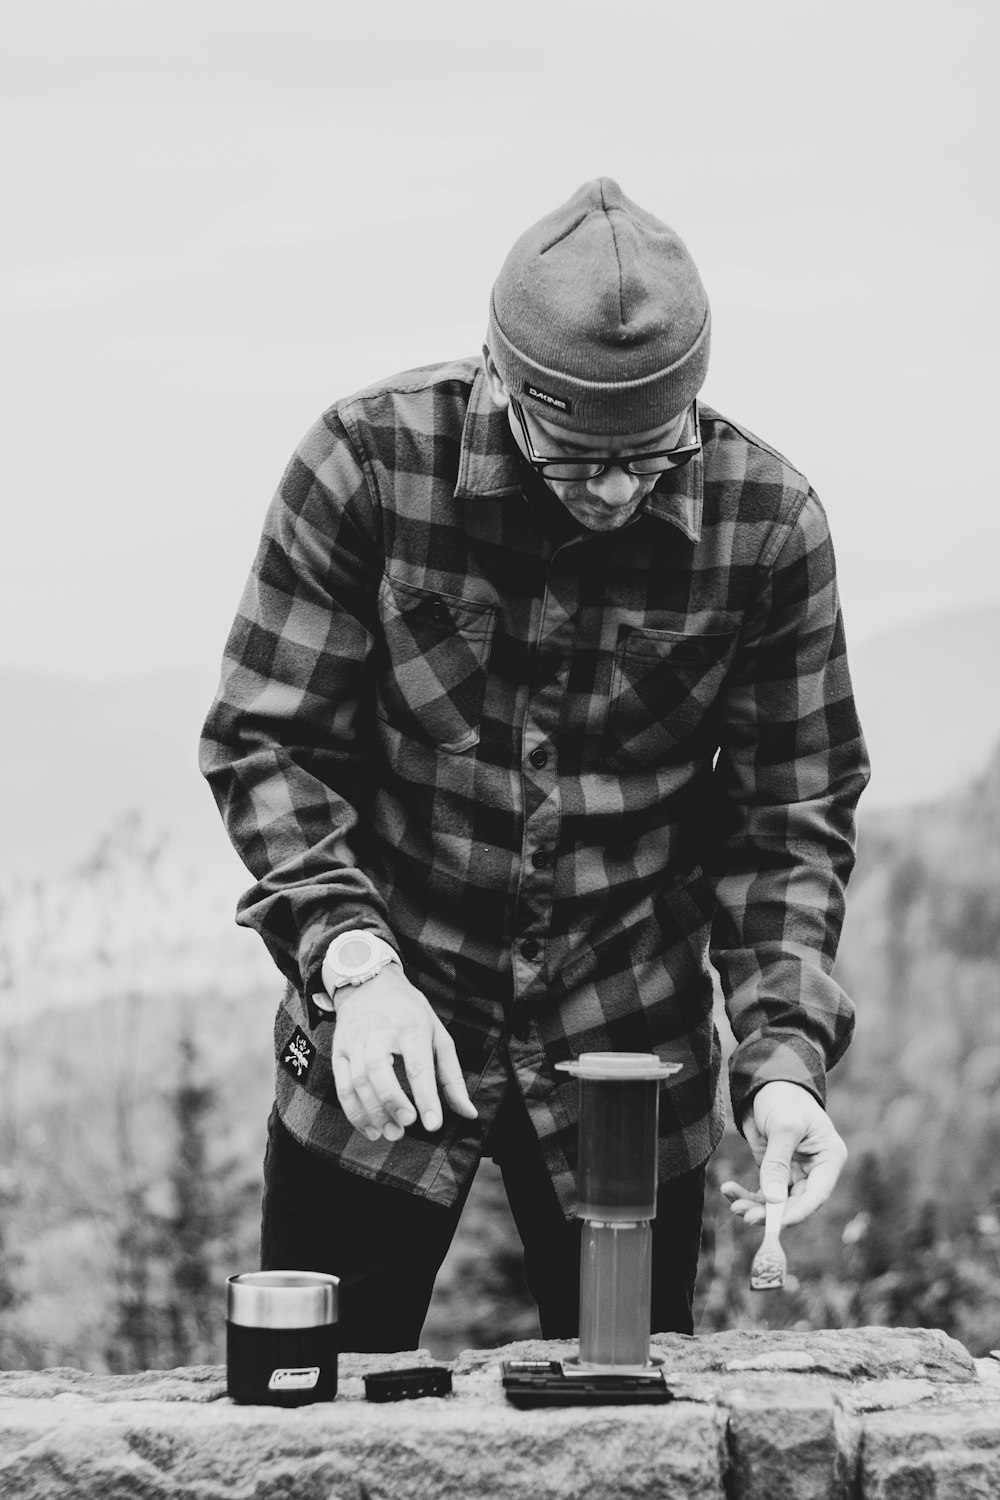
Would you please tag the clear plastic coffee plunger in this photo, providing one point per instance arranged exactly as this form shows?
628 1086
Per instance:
616 1191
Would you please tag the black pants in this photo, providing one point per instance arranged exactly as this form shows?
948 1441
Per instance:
387 1245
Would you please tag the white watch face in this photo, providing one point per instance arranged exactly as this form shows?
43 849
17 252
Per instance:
354 956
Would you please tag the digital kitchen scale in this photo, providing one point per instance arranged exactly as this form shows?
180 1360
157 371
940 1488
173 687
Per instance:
547 1382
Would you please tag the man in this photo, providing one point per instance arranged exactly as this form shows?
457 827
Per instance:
537 687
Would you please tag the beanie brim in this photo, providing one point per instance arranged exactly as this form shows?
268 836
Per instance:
615 407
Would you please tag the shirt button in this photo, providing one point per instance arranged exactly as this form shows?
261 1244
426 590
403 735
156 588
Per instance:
520 1026
541 858
539 758
530 948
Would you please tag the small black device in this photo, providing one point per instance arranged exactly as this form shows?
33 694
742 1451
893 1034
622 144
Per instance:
404 1385
544 1382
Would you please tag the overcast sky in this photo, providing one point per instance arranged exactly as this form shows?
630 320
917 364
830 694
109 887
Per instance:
220 215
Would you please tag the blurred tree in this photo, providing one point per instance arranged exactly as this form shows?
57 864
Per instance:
193 1223
140 1242
874 1226
171 1234
10 1295
907 879
9 1131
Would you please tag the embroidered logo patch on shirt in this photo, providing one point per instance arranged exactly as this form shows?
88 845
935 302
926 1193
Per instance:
298 1055
559 402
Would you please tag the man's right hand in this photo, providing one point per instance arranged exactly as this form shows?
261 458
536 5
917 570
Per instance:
383 1018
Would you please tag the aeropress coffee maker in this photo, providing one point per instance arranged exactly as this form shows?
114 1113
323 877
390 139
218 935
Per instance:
616 1199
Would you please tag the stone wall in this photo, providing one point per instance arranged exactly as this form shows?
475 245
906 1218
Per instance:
862 1414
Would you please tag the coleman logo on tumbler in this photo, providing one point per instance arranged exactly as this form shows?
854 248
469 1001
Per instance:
293 1380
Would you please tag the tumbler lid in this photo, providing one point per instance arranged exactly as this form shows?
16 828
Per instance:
622 1066
282 1299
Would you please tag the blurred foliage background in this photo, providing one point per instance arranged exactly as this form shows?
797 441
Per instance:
132 1122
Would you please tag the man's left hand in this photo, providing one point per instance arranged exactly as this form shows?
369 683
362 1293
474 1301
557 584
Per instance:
799 1152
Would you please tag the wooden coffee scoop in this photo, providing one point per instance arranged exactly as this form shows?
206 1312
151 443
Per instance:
768 1269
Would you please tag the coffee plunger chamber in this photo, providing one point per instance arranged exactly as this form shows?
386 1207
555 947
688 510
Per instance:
616 1192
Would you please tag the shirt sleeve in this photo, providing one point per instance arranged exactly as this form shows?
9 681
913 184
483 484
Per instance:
283 746
790 770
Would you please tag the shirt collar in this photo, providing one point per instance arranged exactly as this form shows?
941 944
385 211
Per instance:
679 497
490 465
489 462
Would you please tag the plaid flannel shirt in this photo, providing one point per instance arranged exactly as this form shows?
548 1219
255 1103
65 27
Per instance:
549 773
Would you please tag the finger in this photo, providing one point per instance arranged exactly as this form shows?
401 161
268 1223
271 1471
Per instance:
418 1060
749 1207
349 1101
449 1071
812 1191
737 1190
400 1111
361 1083
776 1166
745 1209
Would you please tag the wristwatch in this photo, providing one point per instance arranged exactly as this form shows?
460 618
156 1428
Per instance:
354 957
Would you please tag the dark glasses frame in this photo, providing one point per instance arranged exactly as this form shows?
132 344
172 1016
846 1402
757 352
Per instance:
636 464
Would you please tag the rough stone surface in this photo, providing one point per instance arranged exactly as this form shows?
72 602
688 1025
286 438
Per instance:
950 1455
852 1353
790 1440
862 1414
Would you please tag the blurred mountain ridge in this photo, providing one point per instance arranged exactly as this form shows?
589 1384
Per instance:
83 756
80 757
929 704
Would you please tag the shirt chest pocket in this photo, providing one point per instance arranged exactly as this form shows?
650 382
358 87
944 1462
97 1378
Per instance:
663 686
432 676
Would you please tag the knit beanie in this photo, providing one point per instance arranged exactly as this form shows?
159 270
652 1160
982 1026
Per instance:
598 319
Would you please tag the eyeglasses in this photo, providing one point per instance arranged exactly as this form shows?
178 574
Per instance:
657 462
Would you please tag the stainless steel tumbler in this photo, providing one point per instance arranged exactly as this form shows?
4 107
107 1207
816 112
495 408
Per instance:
281 1337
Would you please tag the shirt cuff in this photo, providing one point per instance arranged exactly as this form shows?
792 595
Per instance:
774 1057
